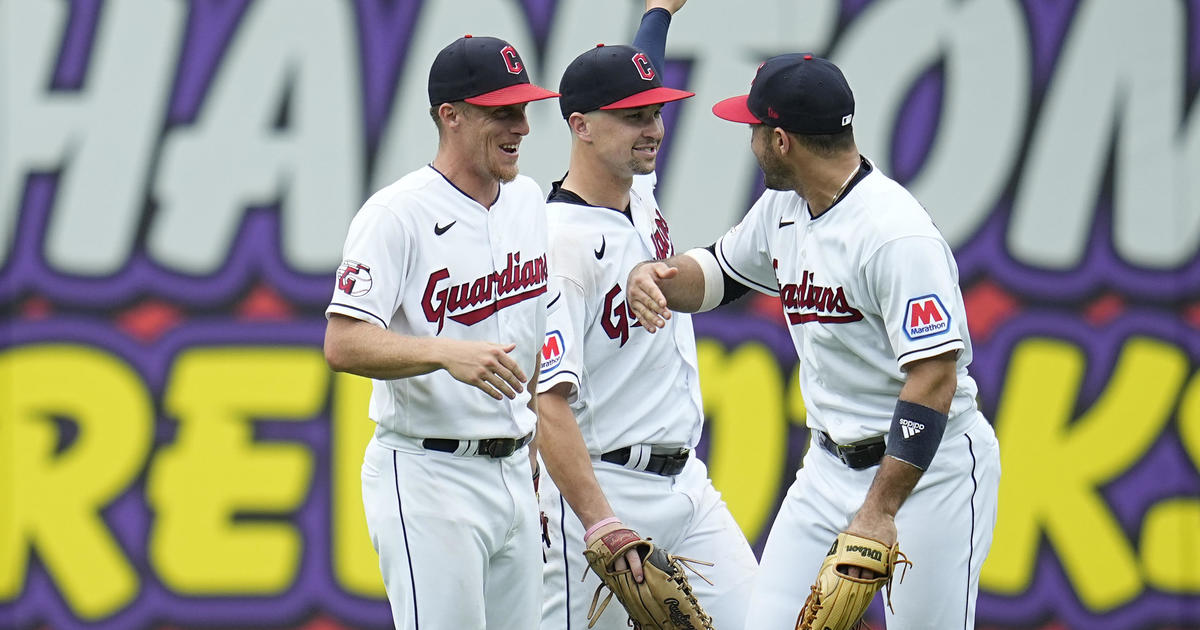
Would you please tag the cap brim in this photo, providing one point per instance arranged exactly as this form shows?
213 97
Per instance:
653 96
735 109
512 95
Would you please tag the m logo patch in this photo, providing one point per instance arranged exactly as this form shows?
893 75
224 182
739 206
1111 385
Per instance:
925 316
552 351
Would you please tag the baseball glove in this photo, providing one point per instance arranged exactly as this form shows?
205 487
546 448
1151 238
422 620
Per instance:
662 601
838 601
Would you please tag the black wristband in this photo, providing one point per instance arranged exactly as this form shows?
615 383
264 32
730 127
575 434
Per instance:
916 433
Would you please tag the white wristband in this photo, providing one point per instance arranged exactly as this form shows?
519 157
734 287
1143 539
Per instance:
714 280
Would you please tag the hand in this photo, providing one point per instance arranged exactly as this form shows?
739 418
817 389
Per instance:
485 365
644 294
630 561
670 5
876 525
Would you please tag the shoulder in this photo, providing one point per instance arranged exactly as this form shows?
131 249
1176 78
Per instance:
525 190
886 211
418 189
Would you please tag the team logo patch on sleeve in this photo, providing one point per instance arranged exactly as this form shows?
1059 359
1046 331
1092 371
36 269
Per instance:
354 278
925 316
552 351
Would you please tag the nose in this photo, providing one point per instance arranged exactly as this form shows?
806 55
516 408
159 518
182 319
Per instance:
521 124
655 129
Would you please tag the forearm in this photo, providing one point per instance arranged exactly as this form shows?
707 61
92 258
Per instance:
651 36
685 291
364 349
930 383
567 460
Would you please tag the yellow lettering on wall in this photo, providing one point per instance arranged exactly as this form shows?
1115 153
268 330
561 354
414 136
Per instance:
743 398
1170 542
354 562
55 498
1053 467
795 399
216 471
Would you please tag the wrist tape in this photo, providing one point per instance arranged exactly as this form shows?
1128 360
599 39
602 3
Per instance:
916 433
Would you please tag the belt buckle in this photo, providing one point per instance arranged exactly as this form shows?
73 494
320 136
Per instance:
500 447
675 463
843 453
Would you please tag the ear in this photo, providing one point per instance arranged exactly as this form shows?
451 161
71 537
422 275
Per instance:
450 115
580 126
781 141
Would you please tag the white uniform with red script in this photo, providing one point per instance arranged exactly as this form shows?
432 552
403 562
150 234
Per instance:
630 390
424 259
867 287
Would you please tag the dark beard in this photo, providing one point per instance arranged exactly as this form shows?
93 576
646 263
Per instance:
775 175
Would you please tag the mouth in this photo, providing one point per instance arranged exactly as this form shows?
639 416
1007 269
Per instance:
510 149
646 150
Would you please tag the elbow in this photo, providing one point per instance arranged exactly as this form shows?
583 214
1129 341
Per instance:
335 356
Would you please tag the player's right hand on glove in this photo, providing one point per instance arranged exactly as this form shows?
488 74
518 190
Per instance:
660 599
838 601
485 365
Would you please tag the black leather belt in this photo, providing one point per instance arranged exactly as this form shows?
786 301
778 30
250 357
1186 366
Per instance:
859 455
665 464
492 447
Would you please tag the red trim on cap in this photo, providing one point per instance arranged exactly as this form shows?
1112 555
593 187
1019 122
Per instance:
735 109
653 96
511 95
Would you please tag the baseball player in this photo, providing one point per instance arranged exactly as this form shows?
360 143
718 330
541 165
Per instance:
620 409
441 300
870 291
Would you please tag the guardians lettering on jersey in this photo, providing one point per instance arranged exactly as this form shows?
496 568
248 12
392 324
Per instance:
661 237
811 302
516 283
616 316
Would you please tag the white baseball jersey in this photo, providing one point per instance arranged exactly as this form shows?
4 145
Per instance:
867 287
424 259
627 386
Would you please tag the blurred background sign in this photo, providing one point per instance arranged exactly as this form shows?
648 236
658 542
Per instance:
176 179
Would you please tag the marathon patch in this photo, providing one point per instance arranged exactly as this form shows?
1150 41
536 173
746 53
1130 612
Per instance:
552 351
925 316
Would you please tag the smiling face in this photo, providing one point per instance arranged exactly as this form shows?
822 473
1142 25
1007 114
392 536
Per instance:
492 137
627 140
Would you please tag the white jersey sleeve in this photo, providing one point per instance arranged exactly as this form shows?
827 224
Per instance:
914 280
375 261
562 353
744 251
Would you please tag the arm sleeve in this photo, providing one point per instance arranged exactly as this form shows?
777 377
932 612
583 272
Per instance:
744 252
914 282
375 261
651 36
562 352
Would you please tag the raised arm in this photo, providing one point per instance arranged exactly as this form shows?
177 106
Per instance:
651 36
